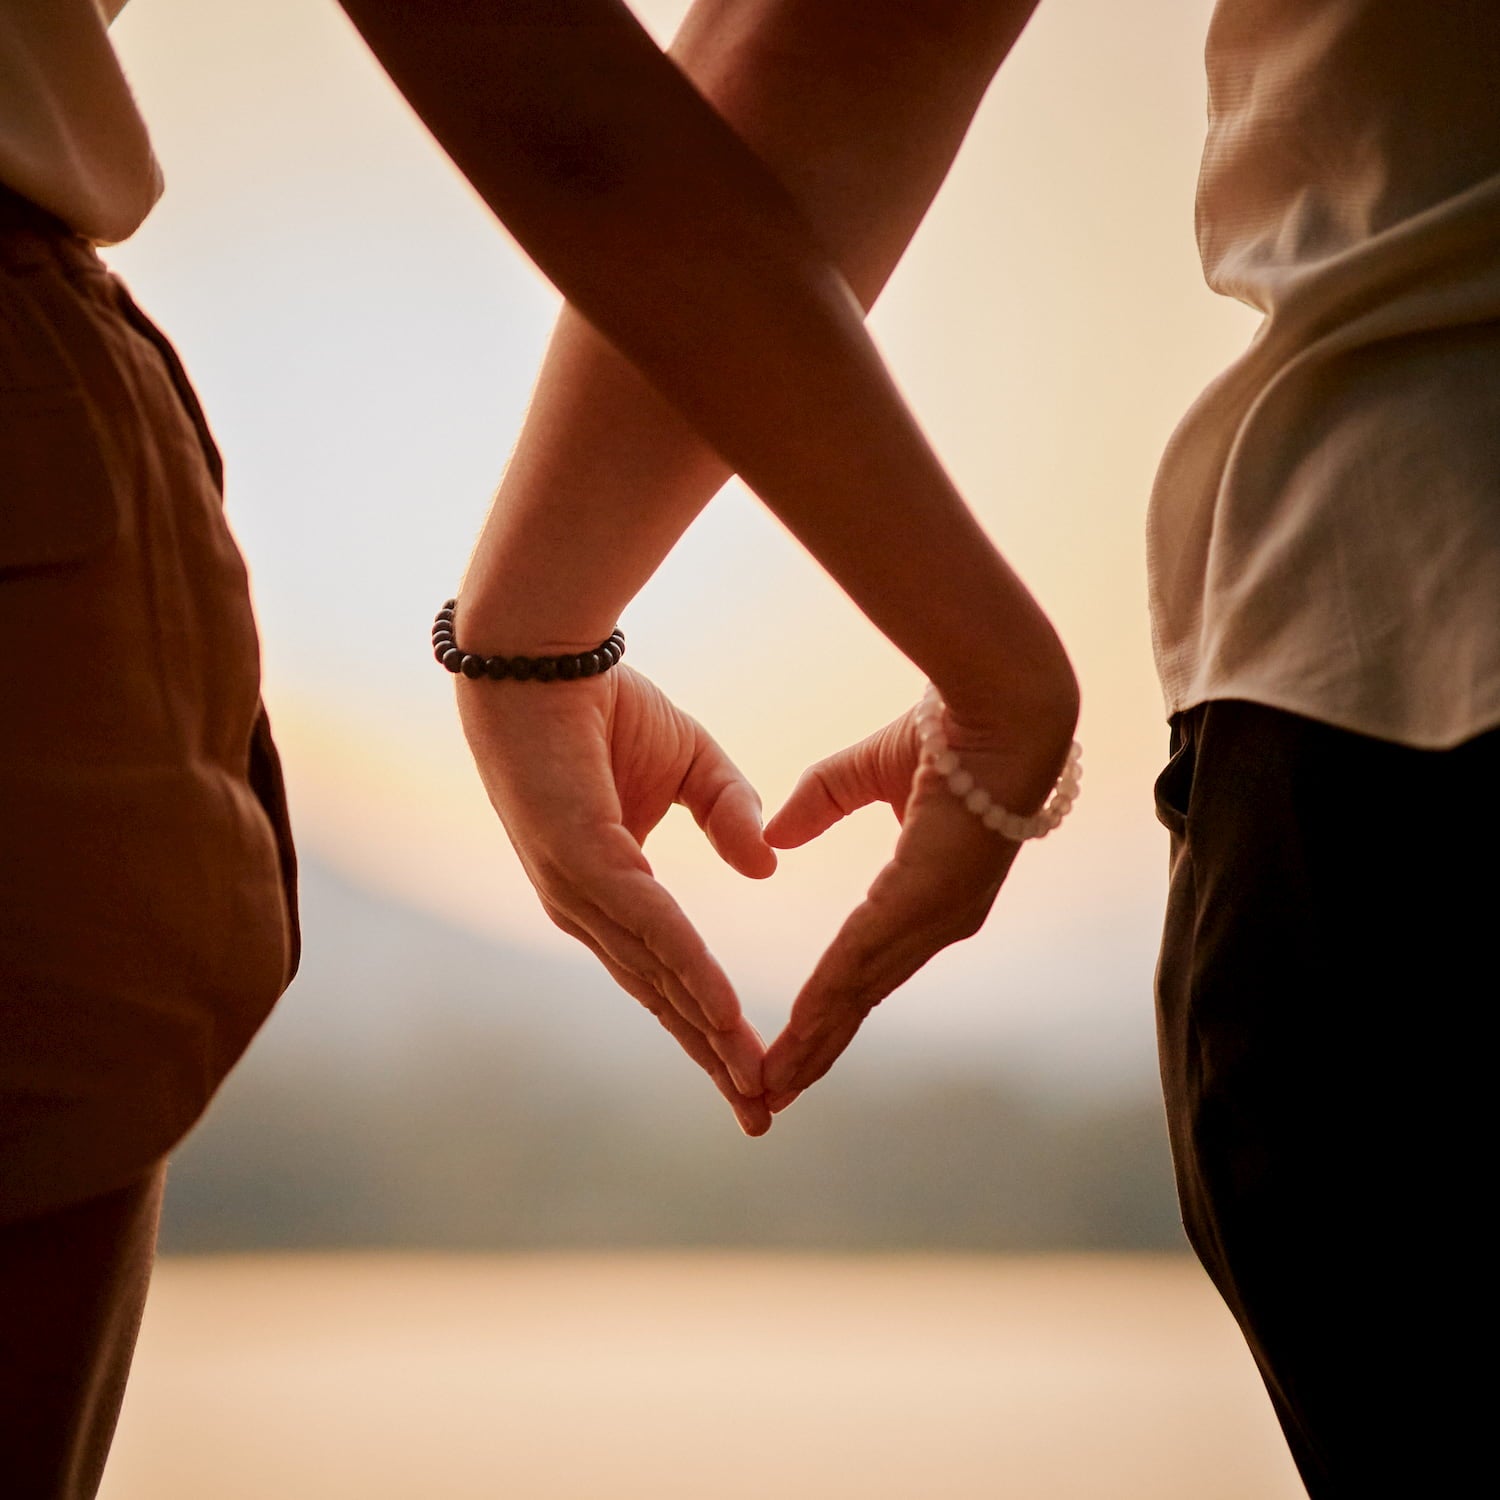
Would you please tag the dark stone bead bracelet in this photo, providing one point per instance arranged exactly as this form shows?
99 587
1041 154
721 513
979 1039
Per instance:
447 651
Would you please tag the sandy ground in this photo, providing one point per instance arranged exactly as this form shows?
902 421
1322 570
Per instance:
731 1376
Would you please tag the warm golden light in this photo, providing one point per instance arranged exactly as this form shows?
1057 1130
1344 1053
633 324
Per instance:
365 338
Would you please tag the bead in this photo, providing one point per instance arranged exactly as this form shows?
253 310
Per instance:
446 650
937 753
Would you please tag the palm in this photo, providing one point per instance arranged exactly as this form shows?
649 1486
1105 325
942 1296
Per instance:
652 745
937 889
580 773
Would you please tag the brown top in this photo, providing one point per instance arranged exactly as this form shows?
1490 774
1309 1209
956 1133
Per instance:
71 138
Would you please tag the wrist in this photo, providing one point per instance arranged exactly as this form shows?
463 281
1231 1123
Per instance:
516 617
452 654
1020 685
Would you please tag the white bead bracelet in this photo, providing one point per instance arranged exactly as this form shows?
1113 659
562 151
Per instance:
937 753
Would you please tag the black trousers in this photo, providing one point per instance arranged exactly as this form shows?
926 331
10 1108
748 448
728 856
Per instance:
1329 949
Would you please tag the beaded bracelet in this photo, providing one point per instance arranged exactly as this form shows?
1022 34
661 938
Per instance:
521 668
936 752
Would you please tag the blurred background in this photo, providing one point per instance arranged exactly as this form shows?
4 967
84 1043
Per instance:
448 1073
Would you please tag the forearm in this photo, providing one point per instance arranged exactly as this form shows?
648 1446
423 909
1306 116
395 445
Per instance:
688 255
858 106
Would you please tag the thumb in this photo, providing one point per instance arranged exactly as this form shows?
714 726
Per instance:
877 769
727 808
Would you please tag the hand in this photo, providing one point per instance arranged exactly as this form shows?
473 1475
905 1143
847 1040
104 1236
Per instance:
937 889
580 772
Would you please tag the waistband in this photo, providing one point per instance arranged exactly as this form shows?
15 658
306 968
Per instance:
29 236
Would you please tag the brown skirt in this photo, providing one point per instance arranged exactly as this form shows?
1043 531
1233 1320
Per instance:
147 880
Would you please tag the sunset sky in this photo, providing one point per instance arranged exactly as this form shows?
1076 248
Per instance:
364 338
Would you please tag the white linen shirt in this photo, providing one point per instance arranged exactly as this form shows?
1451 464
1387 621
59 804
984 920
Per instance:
1324 531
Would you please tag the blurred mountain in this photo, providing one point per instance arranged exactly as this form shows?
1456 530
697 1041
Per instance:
420 1086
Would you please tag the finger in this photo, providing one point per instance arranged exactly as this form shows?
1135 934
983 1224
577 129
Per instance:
643 930
877 769
832 1007
813 808
917 905
628 914
734 1041
799 1062
727 808
751 1111
638 906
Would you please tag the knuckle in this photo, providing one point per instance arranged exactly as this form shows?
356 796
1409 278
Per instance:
560 919
655 1002
831 779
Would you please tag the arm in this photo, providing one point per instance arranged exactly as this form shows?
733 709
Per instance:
858 106
862 146
688 255
677 243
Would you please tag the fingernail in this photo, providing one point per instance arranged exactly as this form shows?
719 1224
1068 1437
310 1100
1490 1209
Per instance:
778 1102
746 1074
749 1084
